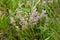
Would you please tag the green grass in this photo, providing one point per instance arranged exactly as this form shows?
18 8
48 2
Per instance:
27 30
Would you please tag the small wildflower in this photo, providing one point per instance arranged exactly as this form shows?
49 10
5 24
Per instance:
31 19
43 13
18 10
17 27
12 20
35 19
34 13
22 21
18 13
38 17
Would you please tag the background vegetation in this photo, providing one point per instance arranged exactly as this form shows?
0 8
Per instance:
29 20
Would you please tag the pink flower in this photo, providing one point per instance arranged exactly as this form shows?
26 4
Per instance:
34 13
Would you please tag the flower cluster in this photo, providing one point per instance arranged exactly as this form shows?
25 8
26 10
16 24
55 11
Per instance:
28 18
34 17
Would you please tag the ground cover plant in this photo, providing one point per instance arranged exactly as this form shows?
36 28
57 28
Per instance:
29 20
